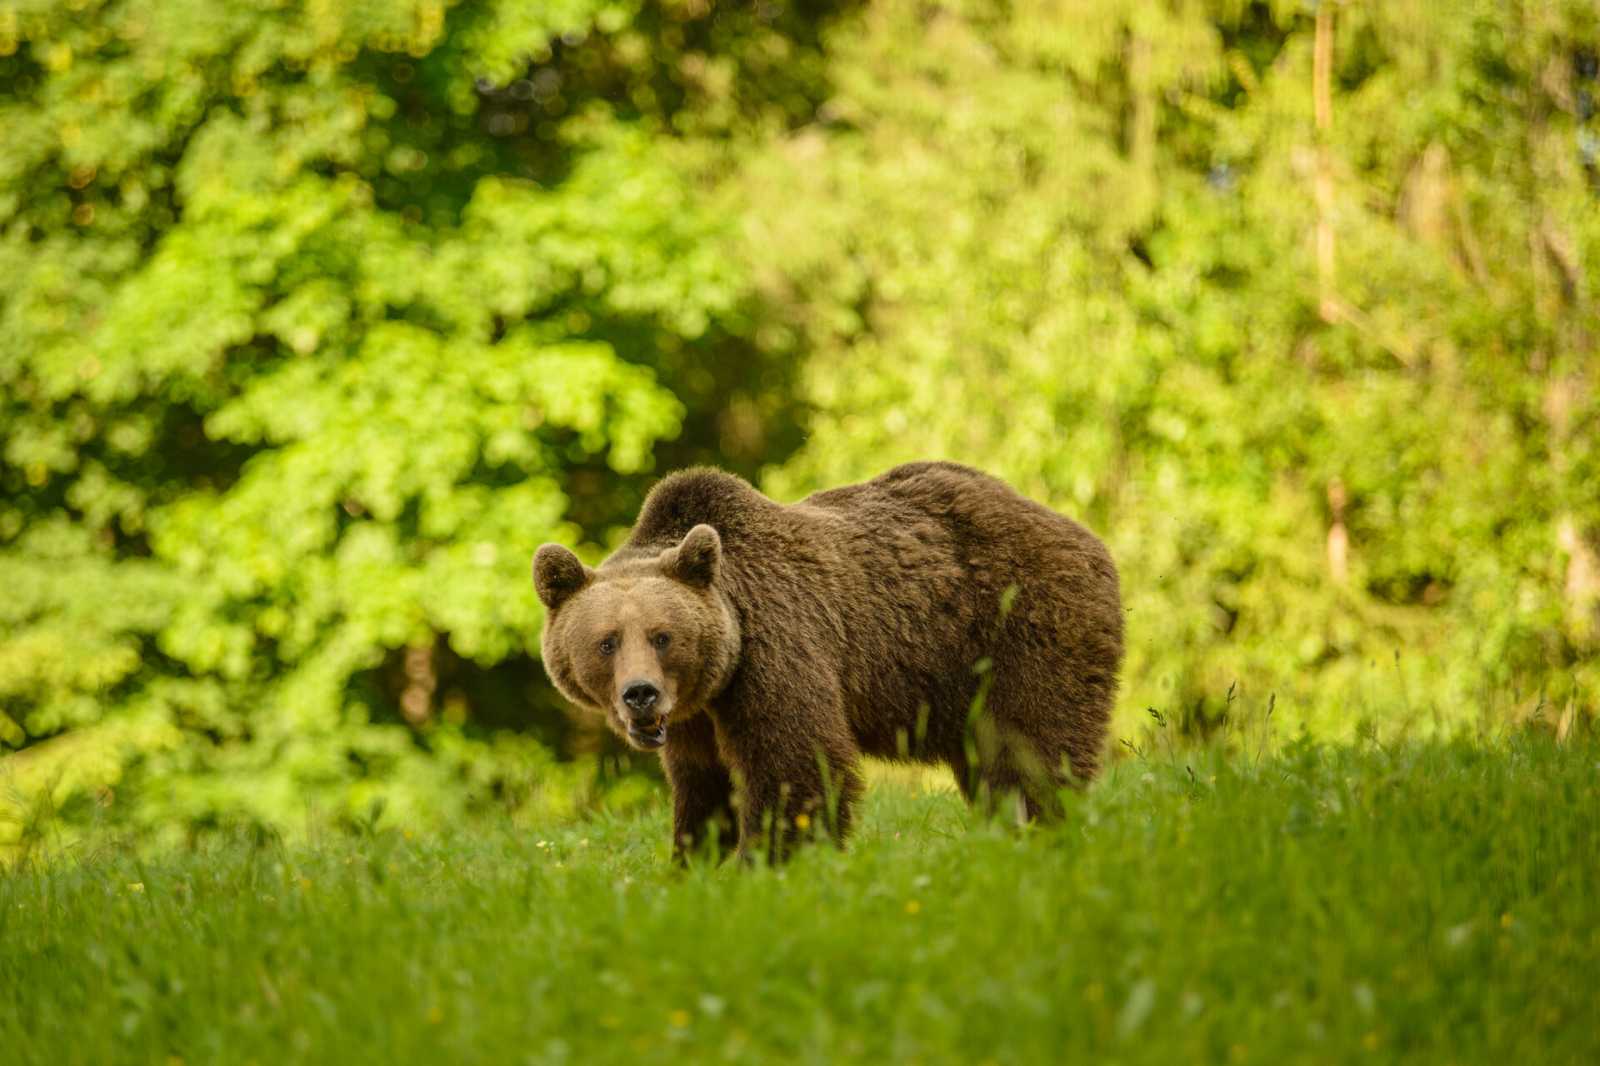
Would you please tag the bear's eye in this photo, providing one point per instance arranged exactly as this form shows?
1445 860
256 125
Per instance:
607 646
660 640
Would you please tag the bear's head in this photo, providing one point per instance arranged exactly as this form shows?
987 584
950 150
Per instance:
644 641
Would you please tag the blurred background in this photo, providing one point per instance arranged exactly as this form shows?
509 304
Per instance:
318 316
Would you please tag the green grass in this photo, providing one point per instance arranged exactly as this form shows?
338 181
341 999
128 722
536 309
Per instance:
1429 903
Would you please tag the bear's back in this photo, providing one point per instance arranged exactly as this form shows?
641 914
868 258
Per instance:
938 488
971 506
957 534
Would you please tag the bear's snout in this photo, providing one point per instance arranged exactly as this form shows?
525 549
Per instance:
646 718
646 714
641 698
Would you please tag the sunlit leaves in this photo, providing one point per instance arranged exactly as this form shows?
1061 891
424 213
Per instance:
1073 244
299 352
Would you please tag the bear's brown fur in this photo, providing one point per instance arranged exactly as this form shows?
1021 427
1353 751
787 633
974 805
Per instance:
932 613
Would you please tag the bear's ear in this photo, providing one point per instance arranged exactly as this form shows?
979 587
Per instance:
557 574
696 558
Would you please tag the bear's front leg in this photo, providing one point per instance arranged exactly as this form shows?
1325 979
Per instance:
702 789
791 781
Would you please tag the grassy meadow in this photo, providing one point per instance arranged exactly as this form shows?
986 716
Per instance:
1423 902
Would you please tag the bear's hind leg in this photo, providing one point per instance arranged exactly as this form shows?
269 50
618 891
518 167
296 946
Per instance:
1029 740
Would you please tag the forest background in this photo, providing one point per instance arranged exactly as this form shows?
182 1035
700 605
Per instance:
317 318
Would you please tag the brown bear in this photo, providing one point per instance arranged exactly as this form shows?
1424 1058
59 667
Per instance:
932 613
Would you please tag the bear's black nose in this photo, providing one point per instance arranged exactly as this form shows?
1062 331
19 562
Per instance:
640 696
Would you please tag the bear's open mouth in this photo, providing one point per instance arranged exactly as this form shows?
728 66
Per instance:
649 737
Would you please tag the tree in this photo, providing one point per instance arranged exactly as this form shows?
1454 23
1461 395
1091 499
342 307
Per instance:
319 318
1326 382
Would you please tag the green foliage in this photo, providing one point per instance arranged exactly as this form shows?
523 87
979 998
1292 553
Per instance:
318 319
1417 903
319 315
1077 245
